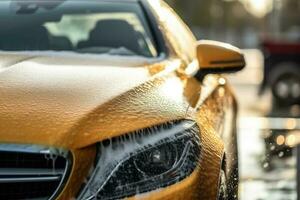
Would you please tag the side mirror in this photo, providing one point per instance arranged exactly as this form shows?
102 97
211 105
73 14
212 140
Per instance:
217 58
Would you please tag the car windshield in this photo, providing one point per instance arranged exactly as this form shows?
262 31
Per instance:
97 27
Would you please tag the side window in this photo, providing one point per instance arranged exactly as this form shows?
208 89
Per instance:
178 33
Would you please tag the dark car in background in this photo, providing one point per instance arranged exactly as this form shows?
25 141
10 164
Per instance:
282 71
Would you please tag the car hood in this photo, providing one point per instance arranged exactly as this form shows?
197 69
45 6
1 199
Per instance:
73 102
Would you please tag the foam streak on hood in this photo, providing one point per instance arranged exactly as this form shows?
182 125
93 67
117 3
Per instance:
47 94
59 101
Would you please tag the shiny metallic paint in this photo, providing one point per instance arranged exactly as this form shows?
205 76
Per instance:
77 113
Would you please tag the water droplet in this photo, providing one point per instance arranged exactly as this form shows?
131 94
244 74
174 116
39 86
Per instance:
266 165
272 148
281 154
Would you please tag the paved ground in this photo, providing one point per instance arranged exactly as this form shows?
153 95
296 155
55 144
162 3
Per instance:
262 177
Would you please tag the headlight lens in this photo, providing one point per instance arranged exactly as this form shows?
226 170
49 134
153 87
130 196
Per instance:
157 160
144 161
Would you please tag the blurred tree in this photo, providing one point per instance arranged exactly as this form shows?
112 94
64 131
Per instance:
194 11
290 14
217 19
229 20
204 12
284 20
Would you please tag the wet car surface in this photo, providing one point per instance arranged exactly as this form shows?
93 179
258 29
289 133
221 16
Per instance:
111 100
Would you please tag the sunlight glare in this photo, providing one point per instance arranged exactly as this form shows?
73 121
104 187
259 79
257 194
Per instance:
259 8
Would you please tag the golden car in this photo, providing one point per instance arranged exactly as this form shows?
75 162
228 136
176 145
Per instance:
113 99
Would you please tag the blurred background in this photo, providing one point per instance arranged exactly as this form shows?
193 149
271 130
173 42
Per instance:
241 22
268 89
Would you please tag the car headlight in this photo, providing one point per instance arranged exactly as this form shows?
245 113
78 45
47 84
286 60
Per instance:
143 161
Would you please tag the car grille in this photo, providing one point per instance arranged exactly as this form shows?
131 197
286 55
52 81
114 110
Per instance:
32 172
